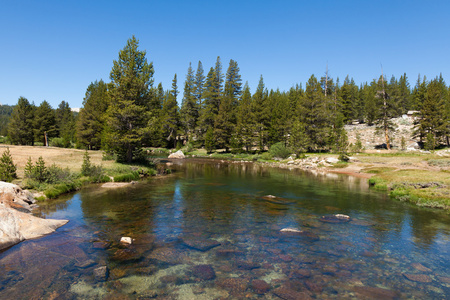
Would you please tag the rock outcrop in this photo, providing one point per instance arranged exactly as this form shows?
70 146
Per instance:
16 222
178 154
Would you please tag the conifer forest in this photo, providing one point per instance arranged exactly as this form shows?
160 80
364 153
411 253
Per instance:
218 110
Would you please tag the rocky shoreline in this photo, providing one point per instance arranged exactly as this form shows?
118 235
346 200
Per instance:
16 221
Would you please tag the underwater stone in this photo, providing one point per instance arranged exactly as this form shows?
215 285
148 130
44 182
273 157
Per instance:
199 243
418 278
204 272
260 286
101 273
338 218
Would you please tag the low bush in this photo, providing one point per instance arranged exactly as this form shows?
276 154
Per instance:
279 150
127 177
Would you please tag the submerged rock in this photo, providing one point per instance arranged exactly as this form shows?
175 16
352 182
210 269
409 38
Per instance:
375 292
420 267
338 218
418 278
199 244
288 294
233 284
260 286
101 273
204 272
167 255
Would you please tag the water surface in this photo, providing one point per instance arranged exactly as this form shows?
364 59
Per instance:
209 231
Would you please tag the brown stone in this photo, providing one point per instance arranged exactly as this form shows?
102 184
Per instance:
200 244
288 294
301 273
101 245
420 267
260 286
418 278
375 293
233 284
167 255
229 252
444 279
247 265
367 253
204 272
313 287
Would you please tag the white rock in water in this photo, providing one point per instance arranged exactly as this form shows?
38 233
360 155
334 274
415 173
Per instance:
178 154
290 229
341 216
126 240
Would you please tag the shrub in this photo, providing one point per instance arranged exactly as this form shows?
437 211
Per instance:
127 177
60 143
266 156
8 170
279 150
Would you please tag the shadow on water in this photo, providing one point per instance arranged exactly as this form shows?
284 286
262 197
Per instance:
211 231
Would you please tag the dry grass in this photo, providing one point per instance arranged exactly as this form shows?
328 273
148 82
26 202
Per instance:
65 158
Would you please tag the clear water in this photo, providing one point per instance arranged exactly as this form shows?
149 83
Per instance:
208 232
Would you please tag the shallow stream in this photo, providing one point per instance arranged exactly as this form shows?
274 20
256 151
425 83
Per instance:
211 231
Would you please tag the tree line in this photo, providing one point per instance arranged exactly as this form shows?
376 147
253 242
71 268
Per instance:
217 111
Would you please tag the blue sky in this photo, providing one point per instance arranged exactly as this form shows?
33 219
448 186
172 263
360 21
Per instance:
52 50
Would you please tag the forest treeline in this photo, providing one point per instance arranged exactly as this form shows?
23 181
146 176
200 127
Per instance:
218 111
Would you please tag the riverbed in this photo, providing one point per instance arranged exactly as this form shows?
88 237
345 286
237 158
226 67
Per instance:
218 230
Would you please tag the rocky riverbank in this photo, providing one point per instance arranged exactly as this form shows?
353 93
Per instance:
16 222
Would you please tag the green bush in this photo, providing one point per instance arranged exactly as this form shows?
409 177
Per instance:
60 143
127 177
266 156
8 170
279 150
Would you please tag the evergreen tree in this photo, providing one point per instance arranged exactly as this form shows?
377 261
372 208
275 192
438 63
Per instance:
130 93
211 102
261 112
44 123
170 119
313 112
65 123
20 127
432 121
92 117
8 170
189 108
155 126
225 121
349 98
245 121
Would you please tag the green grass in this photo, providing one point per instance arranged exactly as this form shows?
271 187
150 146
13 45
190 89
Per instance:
421 187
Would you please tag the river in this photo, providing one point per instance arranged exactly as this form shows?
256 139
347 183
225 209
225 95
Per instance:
218 230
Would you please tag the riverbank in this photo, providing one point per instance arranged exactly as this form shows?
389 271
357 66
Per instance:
66 170
421 178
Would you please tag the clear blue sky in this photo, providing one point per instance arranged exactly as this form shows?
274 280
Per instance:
52 50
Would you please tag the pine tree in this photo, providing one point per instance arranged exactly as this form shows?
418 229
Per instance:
432 121
92 117
225 120
65 123
189 108
44 123
20 127
313 112
169 116
211 102
130 93
261 112
245 121
8 170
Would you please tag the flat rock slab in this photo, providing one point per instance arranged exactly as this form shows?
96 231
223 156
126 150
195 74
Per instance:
167 255
420 267
375 293
289 294
116 184
418 278
338 218
199 244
